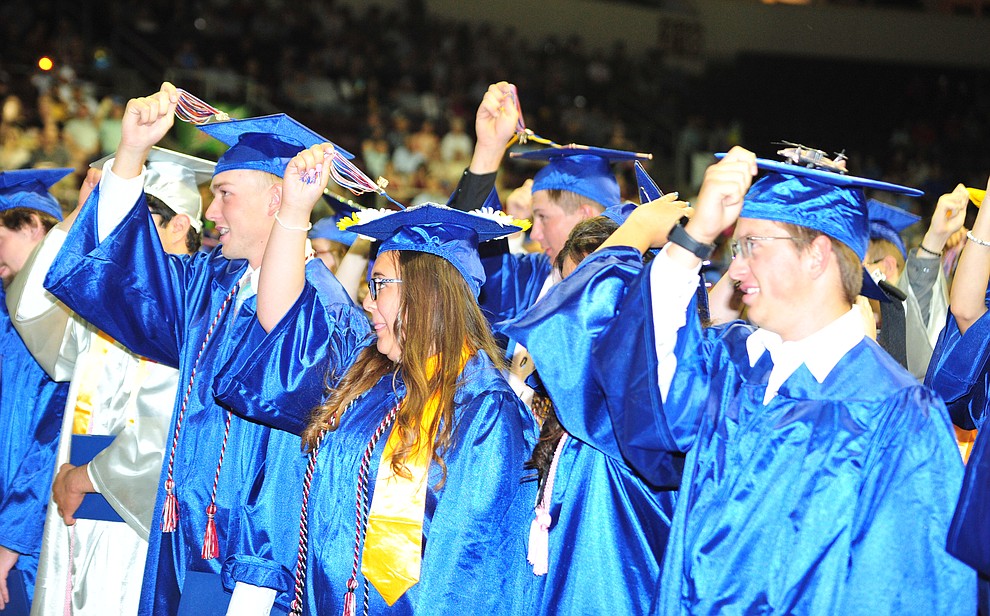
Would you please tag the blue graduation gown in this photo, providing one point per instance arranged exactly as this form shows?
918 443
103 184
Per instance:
834 498
473 525
160 306
31 407
960 373
609 526
512 282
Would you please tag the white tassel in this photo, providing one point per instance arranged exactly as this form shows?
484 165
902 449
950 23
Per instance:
539 541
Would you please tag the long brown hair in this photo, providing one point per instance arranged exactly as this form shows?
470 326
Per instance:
438 316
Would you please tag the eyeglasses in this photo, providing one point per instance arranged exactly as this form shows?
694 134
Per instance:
376 284
744 246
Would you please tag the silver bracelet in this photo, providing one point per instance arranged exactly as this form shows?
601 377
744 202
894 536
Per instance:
976 240
308 226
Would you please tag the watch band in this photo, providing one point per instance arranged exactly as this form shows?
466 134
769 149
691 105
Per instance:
681 237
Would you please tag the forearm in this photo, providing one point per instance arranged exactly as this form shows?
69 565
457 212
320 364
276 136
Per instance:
472 190
283 268
117 195
968 295
922 274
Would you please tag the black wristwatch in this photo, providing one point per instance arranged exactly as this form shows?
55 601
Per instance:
680 237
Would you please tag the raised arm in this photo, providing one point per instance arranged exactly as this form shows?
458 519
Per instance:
967 299
718 206
283 268
494 125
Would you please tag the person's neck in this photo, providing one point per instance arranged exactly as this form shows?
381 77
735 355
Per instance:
813 319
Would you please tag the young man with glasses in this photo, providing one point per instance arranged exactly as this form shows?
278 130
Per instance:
820 477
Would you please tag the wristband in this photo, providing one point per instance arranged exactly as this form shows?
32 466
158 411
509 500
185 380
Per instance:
681 237
976 240
308 226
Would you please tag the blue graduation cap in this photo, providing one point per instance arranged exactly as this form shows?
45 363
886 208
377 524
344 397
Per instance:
828 202
326 229
438 230
28 188
580 169
266 144
887 222
648 189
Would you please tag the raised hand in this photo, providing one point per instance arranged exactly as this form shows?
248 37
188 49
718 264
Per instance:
494 125
948 219
146 120
306 177
721 196
648 225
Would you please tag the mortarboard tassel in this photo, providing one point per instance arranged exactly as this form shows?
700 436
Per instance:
196 111
211 547
539 530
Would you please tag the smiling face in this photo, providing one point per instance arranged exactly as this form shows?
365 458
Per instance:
243 207
771 279
385 309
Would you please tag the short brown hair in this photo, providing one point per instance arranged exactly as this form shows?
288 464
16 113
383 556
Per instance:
20 217
570 201
880 248
850 265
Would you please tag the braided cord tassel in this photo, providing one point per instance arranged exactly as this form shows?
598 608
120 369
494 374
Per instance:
211 546
539 530
196 111
350 600
170 511
296 608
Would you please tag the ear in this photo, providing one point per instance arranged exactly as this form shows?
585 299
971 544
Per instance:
819 255
275 201
179 226
889 267
36 230
588 211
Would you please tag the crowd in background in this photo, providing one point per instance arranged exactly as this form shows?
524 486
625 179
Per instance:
395 87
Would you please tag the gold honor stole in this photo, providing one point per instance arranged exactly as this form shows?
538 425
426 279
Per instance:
393 543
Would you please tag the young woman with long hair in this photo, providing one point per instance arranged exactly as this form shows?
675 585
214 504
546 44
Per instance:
413 491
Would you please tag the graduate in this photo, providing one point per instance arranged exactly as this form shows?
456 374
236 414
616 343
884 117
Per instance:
820 476
96 562
599 532
958 372
192 313
414 494
31 402
914 325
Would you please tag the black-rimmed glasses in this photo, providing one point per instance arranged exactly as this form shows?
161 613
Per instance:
375 285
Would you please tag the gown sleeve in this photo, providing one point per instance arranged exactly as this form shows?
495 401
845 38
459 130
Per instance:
655 409
42 321
959 370
126 285
960 373
279 382
558 332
